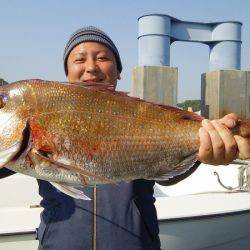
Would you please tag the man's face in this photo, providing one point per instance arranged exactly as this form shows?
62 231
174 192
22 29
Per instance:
92 62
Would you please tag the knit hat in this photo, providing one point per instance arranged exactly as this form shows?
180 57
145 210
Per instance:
86 34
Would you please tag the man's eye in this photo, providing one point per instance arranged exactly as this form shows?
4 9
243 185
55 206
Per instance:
79 60
103 58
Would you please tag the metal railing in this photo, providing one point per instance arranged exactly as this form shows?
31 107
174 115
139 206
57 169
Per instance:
243 177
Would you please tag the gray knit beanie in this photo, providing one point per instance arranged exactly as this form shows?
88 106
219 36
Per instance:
86 34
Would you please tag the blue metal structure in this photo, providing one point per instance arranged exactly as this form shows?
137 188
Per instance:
157 32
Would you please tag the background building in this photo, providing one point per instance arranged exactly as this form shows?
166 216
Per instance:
2 82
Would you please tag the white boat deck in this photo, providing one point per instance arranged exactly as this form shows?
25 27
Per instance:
198 196
18 220
201 205
19 211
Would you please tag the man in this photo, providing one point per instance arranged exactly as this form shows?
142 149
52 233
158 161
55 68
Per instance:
122 216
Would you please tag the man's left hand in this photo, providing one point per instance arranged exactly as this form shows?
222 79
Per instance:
218 146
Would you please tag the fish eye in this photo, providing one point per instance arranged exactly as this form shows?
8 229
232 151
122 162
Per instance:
3 100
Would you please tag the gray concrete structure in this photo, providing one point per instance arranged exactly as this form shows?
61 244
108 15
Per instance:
155 83
225 91
225 88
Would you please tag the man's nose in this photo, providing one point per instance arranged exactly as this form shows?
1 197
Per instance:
91 66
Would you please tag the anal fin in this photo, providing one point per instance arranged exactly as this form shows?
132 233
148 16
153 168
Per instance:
71 191
179 169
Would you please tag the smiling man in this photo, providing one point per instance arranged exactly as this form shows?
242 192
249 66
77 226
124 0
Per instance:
121 216
91 62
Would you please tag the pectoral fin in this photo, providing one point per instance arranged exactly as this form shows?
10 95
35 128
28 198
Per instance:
66 164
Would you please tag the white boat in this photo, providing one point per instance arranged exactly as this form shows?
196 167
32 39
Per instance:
204 222
197 213
19 212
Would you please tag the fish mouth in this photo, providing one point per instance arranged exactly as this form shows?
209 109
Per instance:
16 149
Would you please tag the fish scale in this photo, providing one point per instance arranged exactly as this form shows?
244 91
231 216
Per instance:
76 134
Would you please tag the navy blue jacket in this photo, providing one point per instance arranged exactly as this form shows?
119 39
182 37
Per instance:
118 217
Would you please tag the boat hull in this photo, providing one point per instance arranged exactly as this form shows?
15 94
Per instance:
228 231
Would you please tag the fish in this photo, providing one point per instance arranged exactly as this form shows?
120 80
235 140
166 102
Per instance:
76 135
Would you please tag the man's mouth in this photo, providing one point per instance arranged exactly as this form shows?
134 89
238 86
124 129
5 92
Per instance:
93 80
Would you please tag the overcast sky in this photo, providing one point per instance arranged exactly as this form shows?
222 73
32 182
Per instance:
34 33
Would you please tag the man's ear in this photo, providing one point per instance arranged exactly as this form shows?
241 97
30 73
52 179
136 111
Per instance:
118 76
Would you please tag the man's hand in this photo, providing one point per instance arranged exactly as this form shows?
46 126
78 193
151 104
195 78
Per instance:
218 145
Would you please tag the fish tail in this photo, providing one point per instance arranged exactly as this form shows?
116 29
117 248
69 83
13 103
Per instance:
242 128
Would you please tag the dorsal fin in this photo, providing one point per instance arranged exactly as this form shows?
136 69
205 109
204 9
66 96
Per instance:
185 114
103 87
109 88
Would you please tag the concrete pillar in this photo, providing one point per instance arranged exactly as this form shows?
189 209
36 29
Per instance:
225 91
157 32
154 40
225 46
155 83
224 55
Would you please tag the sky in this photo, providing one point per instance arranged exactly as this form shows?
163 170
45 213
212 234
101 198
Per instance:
33 35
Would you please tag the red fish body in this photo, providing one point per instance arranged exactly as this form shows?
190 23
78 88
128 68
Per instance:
88 135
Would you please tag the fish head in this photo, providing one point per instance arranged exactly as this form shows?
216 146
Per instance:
13 121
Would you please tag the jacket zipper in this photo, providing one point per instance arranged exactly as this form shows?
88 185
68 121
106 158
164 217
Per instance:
95 222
